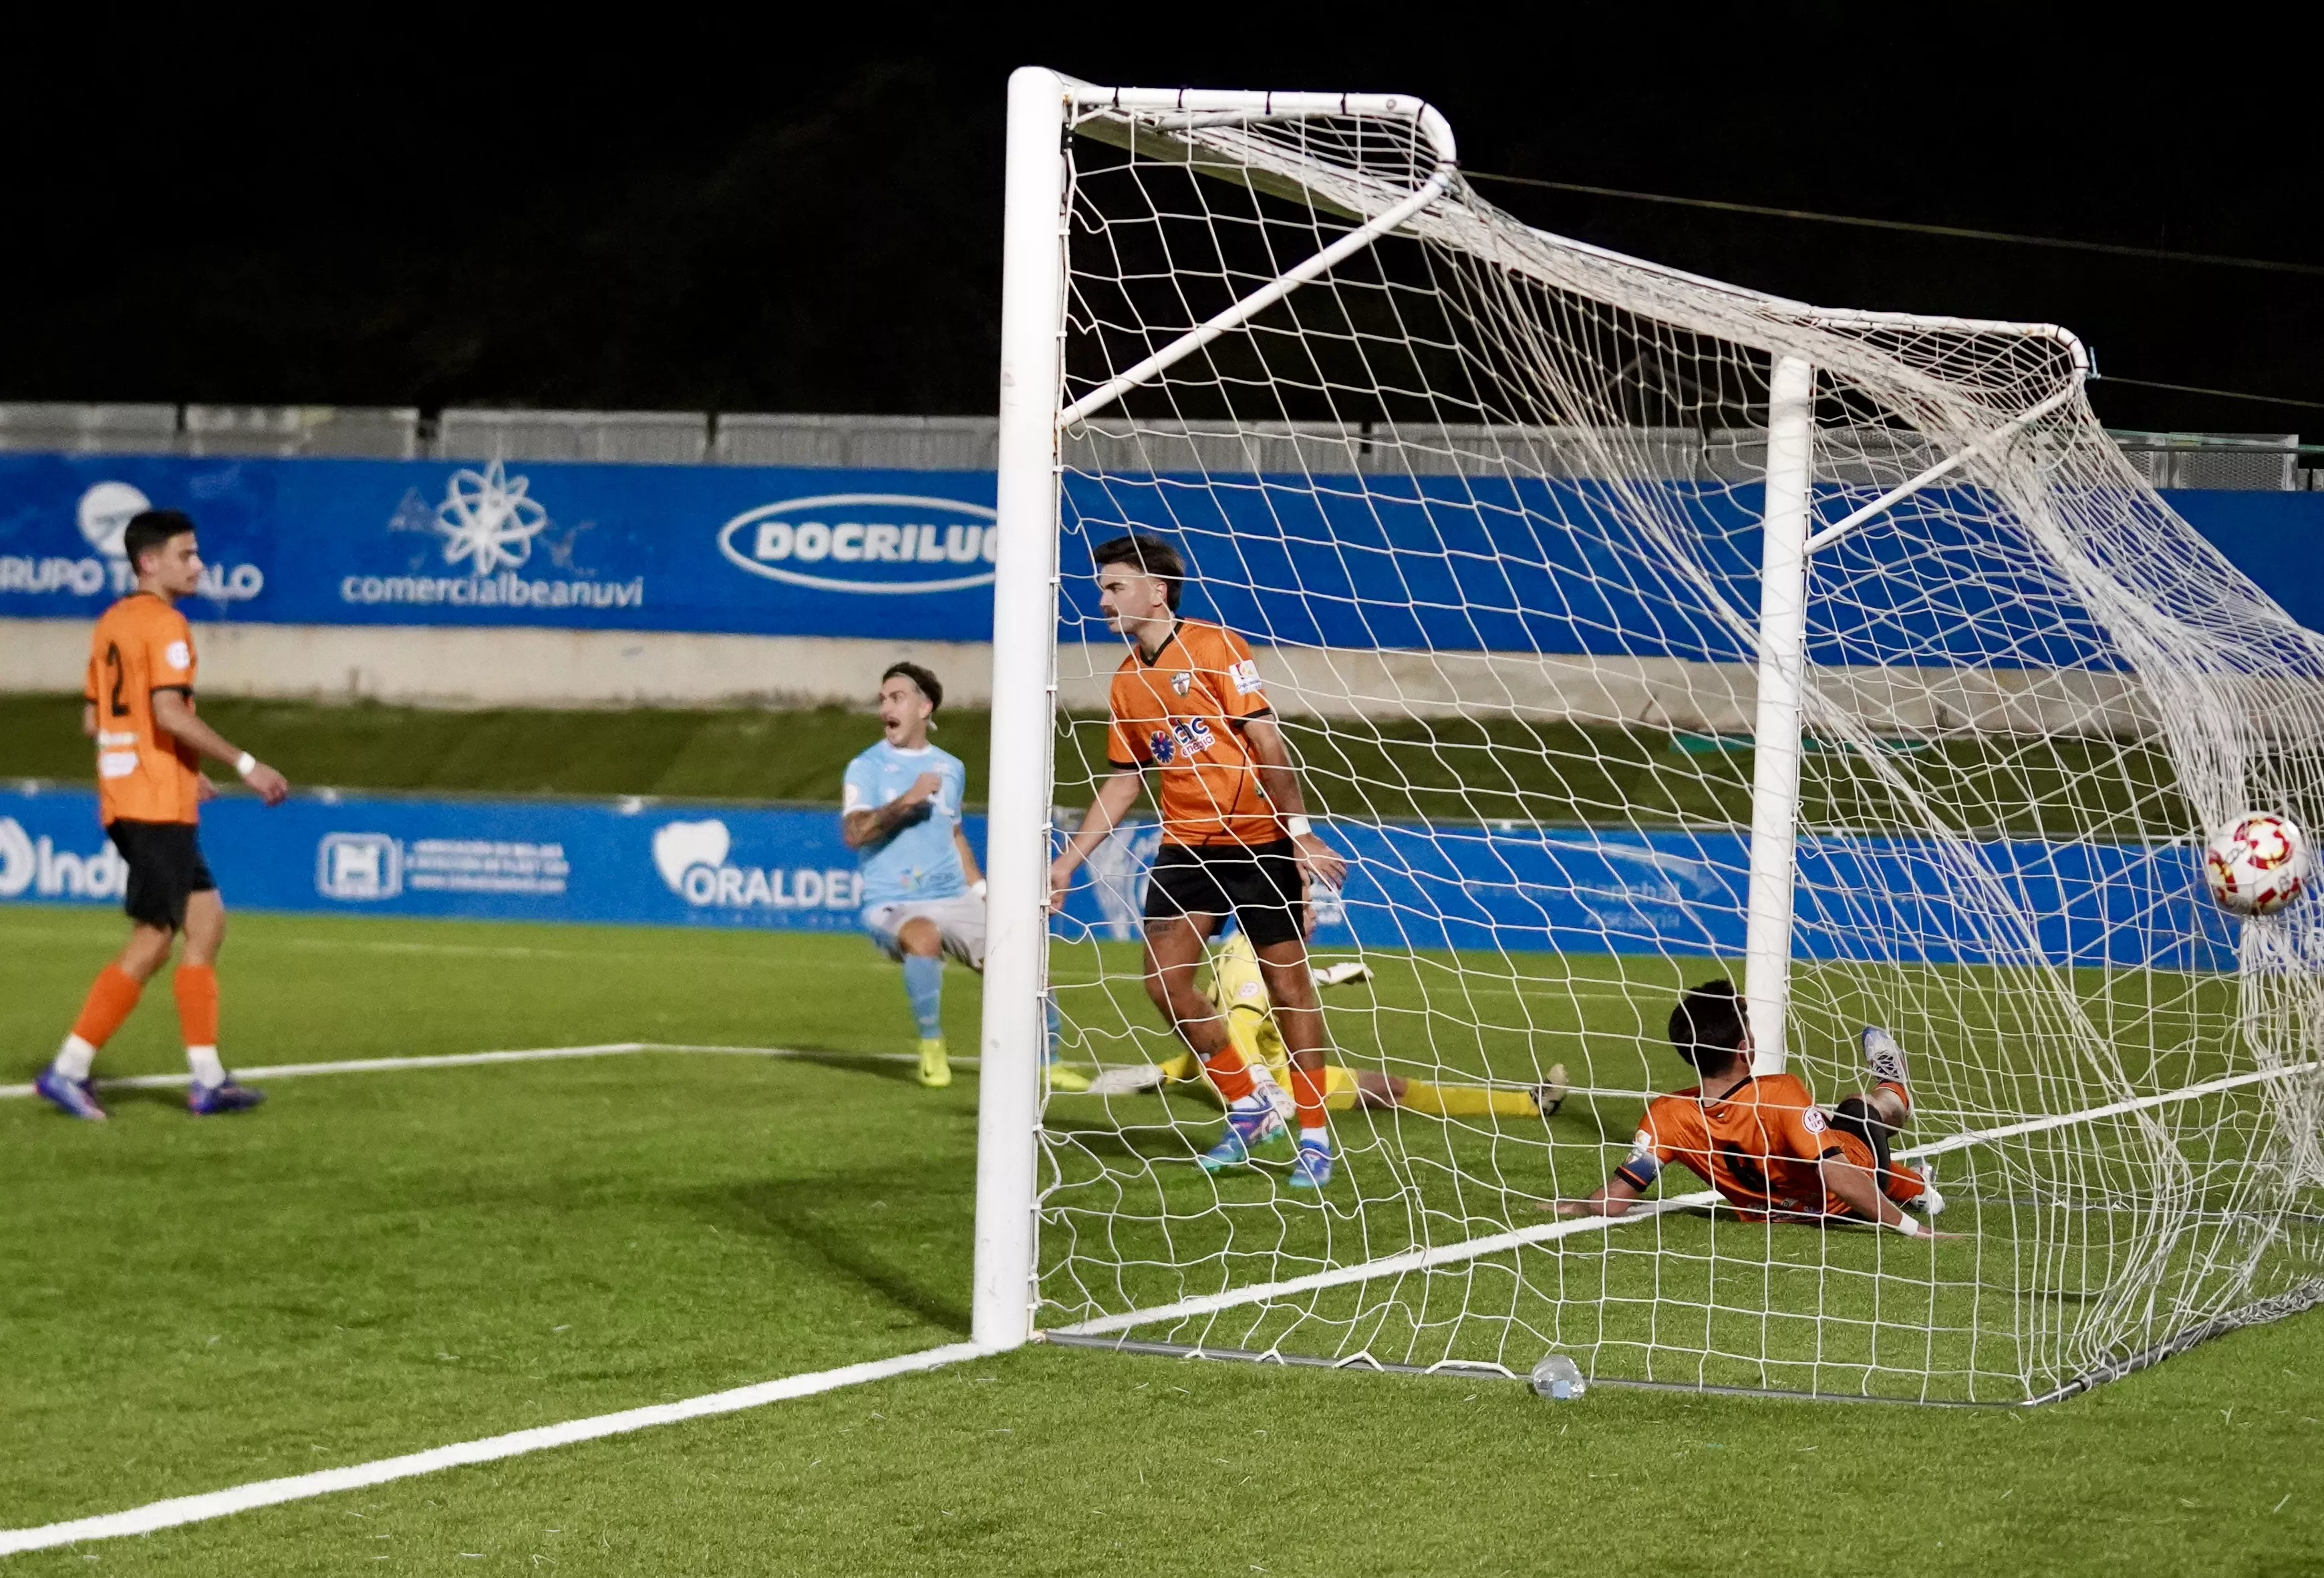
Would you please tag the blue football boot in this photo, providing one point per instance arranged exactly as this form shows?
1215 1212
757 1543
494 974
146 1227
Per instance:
208 1101
1312 1168
1247 1129
75 1098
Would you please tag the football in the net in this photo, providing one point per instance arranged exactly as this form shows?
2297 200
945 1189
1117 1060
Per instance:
2256 864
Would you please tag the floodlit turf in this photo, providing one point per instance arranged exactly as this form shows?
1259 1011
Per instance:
2028 1297
379 1263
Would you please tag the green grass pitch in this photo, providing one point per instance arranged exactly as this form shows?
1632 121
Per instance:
378 1263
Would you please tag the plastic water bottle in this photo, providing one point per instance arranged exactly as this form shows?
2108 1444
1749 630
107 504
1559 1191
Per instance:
1558 1379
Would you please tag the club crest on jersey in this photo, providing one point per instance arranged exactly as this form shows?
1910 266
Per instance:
1182 681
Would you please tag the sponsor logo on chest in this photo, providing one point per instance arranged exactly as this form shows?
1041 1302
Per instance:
1189 737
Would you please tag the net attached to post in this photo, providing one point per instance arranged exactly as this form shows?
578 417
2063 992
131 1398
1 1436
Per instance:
1488 505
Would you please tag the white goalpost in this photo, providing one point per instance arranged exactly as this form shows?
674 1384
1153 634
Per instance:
1631 630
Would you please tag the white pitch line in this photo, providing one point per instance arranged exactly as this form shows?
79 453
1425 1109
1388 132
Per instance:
184 1510
148 1081
1390 1266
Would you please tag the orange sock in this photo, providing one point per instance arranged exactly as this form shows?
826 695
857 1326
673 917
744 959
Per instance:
1903 1095
1228 1072
1307 1094
110 999
198 1011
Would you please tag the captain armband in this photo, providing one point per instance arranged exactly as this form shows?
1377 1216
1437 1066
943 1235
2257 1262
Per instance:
1640 1168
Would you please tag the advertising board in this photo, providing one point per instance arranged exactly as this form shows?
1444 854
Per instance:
1514 890
1449 564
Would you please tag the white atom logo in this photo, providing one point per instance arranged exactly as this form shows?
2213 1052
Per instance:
486 517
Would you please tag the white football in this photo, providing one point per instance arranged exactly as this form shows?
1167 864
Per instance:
2256 864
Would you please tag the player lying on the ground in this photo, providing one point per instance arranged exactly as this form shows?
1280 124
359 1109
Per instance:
1188 705
1761 1140
139 709
1239 991
923 897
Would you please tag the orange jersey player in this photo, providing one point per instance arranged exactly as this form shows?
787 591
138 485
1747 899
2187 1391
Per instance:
1190 715
139 708
1761 1140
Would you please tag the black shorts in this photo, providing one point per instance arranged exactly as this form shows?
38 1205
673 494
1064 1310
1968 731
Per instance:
1855 1116
1258 885
165 870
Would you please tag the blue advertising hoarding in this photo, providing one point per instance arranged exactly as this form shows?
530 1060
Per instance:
1514 891
751 550
1452 563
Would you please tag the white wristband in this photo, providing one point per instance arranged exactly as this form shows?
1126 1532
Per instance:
244 764
978 886
1907 1226
1298 827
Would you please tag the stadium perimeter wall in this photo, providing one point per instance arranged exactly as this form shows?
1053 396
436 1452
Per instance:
574 584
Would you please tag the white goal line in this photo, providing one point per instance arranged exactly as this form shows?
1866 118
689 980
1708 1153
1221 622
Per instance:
2111 1109
183 1509
1422 1259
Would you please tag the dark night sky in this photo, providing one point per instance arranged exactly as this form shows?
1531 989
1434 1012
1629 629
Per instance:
439 213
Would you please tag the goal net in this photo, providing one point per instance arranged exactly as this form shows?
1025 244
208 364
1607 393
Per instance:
1631 630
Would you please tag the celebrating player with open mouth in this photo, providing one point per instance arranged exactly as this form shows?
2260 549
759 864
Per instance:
139 708
922 896
1188 704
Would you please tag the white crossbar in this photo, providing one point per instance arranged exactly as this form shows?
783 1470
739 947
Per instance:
1258 301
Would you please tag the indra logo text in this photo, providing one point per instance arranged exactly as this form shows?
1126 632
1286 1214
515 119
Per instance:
880 543
35 868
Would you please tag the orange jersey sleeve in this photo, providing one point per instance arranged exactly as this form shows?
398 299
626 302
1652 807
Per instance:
1671 1132
141 646
1181 713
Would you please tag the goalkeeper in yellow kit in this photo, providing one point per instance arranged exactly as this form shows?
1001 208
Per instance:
1239 992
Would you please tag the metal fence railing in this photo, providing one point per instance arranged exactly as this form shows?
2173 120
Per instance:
2244 462
2261 462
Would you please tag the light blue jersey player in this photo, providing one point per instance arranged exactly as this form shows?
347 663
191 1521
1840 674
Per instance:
923 897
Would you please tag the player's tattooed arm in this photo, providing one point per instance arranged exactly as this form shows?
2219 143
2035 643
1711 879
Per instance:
174 714
1280 779
858 828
